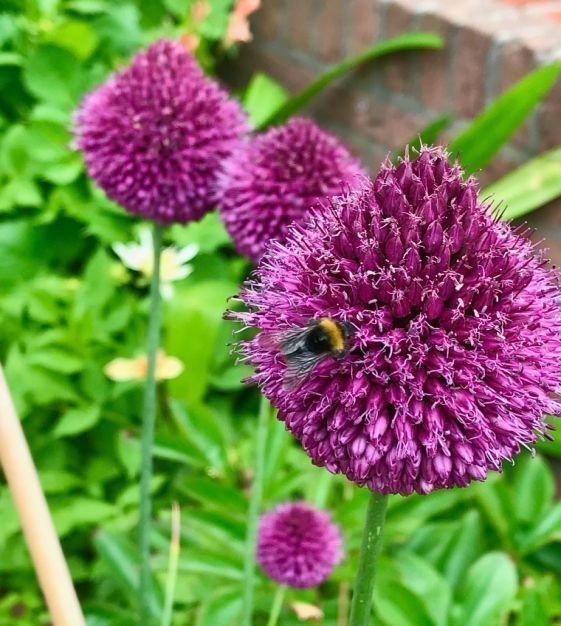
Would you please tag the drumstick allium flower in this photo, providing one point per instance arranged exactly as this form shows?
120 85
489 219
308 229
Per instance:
276 177
298 545
455 349
155 134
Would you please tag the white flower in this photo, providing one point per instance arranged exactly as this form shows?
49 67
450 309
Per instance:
173 261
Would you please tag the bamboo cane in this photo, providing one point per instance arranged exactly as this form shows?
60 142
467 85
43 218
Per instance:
36 521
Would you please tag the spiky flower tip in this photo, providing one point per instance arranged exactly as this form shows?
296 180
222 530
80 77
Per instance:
454 354
275 178
298 545
155 134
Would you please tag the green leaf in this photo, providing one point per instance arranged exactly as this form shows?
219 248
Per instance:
262 98
77 512
528 187
202 427
77 420
120 559
490 588
490 130
428 584
464 548
208 233
534 487
412 41
76 36
223 607
533 612
548 529
54 75
57 360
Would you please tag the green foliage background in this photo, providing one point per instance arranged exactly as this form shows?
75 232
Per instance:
483 556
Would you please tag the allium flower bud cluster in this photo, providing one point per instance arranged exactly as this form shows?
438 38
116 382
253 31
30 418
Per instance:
455 350
155 134
276 177
298 545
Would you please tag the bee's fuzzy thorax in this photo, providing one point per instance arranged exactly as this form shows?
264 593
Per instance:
335 333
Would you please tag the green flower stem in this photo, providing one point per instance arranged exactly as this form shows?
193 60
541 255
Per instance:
253 513
371 541
277 606
148 423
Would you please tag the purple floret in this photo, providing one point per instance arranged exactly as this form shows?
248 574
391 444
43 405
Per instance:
155 134
276 177
455 354
298 545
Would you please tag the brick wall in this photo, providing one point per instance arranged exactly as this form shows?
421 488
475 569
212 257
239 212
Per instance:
489 45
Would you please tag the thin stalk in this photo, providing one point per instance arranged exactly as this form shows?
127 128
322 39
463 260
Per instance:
277 606
253 512
147 438
171 578
371 542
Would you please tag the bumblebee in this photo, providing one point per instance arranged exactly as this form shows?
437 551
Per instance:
303 348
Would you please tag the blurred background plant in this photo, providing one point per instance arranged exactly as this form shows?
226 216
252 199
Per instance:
69 307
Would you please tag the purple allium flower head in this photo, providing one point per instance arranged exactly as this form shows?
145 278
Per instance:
298 545
275 178
155 134
455 352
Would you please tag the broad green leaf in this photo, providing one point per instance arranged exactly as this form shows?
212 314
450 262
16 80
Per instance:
56 359
397 605
193 320
79 512
490 130
534 487
548 529
489 590
77 420
464 548
262 98
496 503
428 584
215 495
412 41
53 74
528 187
74 35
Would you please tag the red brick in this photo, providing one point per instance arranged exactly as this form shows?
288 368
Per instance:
267 22
330 33
364 24
469 73
549 119
395 69
299 17
290 74
434 89
387 124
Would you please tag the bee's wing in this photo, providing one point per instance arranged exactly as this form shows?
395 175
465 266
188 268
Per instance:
284 341
299 365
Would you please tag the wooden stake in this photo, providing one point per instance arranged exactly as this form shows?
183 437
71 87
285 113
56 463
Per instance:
36 521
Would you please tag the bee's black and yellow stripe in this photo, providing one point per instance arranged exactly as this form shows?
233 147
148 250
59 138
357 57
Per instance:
334 332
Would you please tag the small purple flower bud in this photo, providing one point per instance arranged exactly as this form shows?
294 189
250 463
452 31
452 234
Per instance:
298 545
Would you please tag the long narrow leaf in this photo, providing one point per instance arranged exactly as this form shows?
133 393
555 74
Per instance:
530 186
120 561
412 41
489 131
